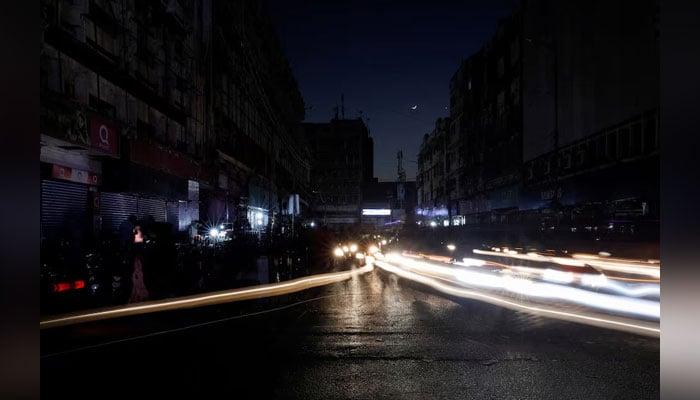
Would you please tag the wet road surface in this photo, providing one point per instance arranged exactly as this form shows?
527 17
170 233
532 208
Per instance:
371 337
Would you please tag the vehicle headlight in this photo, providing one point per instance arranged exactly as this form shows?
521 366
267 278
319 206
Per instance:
593 280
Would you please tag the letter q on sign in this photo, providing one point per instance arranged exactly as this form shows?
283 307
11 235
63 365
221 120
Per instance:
104 134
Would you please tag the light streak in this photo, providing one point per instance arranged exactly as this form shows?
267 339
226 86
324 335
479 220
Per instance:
600 281
544 290
611 322
224 296
579 260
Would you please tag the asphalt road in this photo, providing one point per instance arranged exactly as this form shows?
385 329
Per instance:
371 337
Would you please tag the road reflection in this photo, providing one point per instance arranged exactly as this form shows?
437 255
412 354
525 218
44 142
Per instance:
609 292
224 296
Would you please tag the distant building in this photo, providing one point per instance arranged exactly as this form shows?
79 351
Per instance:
388 205
590 103
551 113
342 161
178 110
433 186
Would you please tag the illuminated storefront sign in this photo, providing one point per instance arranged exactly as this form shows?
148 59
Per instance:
376 211
104 136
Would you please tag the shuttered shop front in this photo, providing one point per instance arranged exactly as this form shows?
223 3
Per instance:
151 207
64 209
115 208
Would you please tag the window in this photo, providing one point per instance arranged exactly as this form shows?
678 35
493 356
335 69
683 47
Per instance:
102 107
500 101
580 157
623 143
515 91
514 51
611 145
600 147
95 34
650 139
636 140
567 160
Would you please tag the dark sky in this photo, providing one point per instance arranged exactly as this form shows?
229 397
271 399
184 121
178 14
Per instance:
385 57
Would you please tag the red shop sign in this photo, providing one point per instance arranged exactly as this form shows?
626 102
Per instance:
104 136
75 175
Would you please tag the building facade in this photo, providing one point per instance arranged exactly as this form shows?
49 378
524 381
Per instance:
486 115
342 161
435 162
558 109
591 100
387 206
179 111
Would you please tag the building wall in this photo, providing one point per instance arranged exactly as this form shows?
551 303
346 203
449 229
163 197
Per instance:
590 95
198 90
431 182
607 68
486 123
560 92
343 161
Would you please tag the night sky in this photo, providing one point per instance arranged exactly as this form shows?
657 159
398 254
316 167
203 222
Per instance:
384 56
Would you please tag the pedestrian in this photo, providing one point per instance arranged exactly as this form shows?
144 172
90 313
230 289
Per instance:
147 223
126 231
139 292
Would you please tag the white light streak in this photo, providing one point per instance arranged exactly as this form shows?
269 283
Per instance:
225 296
543 290
613 322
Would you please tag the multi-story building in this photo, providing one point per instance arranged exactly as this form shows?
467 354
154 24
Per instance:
550 112
486 114
343 159
590 103
432 181
388 205
179 110
256 109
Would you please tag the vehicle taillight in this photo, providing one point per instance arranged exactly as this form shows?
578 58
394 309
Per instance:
63 286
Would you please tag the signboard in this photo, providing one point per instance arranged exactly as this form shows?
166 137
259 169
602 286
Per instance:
75 175
376 211
104 136
172 162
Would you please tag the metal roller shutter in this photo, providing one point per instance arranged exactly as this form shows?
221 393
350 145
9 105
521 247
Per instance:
64 206
115 208
153 207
